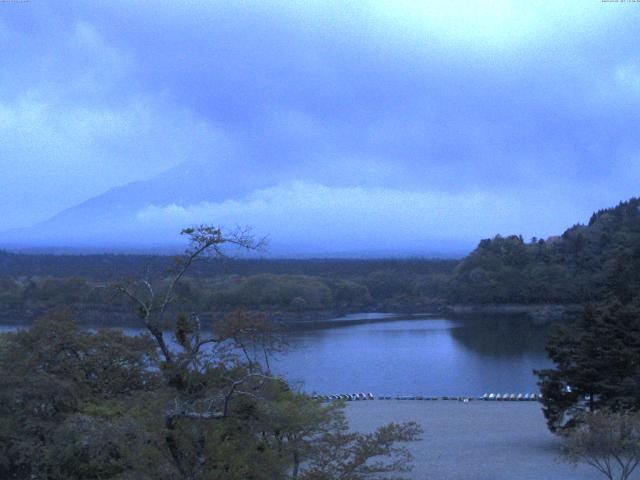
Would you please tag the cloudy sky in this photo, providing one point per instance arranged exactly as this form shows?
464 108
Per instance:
433 120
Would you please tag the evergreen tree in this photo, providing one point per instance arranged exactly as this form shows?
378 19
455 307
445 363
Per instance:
597 365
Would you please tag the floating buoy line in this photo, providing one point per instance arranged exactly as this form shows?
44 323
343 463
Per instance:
487 397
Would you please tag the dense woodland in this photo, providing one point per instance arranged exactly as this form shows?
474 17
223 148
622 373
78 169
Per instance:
110 266
34 284
595 382
572 268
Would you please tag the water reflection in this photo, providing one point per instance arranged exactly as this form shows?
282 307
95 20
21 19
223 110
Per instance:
501 337
433 356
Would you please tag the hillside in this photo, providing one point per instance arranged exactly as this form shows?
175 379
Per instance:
576 267
303 219
111 217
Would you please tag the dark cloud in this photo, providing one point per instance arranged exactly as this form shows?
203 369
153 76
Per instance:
527 104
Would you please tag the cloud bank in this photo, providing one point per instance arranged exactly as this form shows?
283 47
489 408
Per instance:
521 113
316 218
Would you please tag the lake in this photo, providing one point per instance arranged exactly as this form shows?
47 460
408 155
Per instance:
417 355
430 356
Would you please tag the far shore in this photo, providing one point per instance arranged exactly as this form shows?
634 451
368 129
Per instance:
476 440
288 320
539 314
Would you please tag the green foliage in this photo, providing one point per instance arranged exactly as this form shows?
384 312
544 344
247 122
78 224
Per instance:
33 285
49 375
92 303
597 365
107 266
271 291
598 357
574 268
81 405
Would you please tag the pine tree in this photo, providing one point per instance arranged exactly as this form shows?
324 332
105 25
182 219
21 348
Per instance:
597 365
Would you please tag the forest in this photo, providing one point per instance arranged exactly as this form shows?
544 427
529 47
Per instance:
34 284
575 267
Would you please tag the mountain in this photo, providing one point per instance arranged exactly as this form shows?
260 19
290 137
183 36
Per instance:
325 216
584 264
110 218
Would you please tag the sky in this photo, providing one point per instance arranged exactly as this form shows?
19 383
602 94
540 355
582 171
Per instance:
387 123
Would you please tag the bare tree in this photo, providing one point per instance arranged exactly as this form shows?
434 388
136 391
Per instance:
152 304
204 380
607 441
253 334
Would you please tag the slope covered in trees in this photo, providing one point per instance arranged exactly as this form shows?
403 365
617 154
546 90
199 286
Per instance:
576 267
597 357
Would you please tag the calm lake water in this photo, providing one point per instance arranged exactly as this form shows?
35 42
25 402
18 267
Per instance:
433 356
417 356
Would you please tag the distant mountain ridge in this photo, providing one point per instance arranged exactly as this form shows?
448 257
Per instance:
93 220
146 216
186 184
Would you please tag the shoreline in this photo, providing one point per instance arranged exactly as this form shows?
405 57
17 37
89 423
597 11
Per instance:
287 320
537 314
475 440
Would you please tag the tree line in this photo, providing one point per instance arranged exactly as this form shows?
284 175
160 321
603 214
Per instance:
21 299
110 266
591 397
572 268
